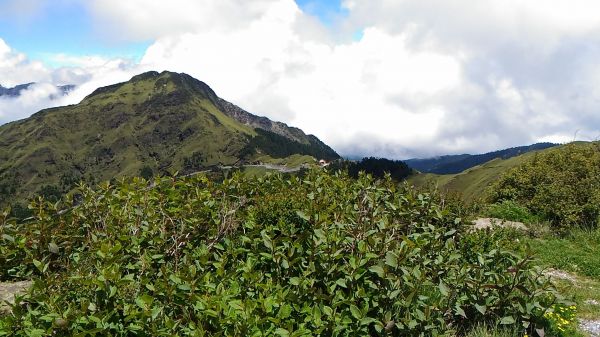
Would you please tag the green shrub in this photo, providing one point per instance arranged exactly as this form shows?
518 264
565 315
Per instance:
562 321
321 255
512 211
562 185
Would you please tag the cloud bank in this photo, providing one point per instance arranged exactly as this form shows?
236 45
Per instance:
425 77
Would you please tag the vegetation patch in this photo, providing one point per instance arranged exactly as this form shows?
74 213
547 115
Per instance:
562 185
320 255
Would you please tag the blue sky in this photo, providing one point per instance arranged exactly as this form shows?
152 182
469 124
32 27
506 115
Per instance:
63 28
66 27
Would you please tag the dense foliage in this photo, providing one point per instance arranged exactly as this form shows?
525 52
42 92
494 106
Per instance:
323 255
377 167
562 185
277 146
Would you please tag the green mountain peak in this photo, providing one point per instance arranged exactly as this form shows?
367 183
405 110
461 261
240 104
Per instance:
158 121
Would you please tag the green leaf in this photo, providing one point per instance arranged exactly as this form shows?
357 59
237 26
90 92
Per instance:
8 238
53 248
460 311
267 241
302 215
377 270
174 279
391 259
295 281
443 289
39 265
355 312
507 320
341 282
481 308
282 332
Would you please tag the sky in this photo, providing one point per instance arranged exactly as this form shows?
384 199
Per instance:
387 78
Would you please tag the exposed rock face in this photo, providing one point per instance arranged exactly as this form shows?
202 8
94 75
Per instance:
264 123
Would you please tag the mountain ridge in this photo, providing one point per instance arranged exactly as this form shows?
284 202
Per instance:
453 164
161 122
16 91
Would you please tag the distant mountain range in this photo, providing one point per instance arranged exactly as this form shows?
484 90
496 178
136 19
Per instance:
17 90
156 122
473 183
452 164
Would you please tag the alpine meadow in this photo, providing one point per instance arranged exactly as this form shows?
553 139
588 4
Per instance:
299 168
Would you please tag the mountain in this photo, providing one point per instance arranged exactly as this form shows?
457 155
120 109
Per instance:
16 90
473 183
453 164
156 122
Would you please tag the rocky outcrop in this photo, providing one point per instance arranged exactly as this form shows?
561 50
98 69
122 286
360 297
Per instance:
263 123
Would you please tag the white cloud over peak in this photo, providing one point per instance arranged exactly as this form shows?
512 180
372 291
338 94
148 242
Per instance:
87 73
151 19
427 77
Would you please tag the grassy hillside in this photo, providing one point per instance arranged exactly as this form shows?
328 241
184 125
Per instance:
453 164
155 122
472 183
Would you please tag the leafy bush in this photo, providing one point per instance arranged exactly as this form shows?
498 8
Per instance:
321 255
512 211
378 167
562 185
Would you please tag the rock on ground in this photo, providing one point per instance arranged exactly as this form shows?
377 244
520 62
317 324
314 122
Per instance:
8 292
484 223
590 326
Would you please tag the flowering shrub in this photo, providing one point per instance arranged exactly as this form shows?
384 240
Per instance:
561 320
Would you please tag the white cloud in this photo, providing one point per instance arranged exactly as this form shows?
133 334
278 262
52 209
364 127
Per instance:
427 77
87 73
152 19
35 98
16 69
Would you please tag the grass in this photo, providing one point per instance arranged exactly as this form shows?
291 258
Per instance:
574 255
485 331
577 252
471 183
292 161
511 211
582 291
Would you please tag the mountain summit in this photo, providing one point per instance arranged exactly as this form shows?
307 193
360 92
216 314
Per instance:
156 121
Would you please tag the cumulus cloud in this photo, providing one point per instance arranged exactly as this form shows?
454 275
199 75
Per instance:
426 77
87 73
152 19
35 98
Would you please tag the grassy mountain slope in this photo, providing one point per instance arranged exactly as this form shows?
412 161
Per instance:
452 164
473 182
165 122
